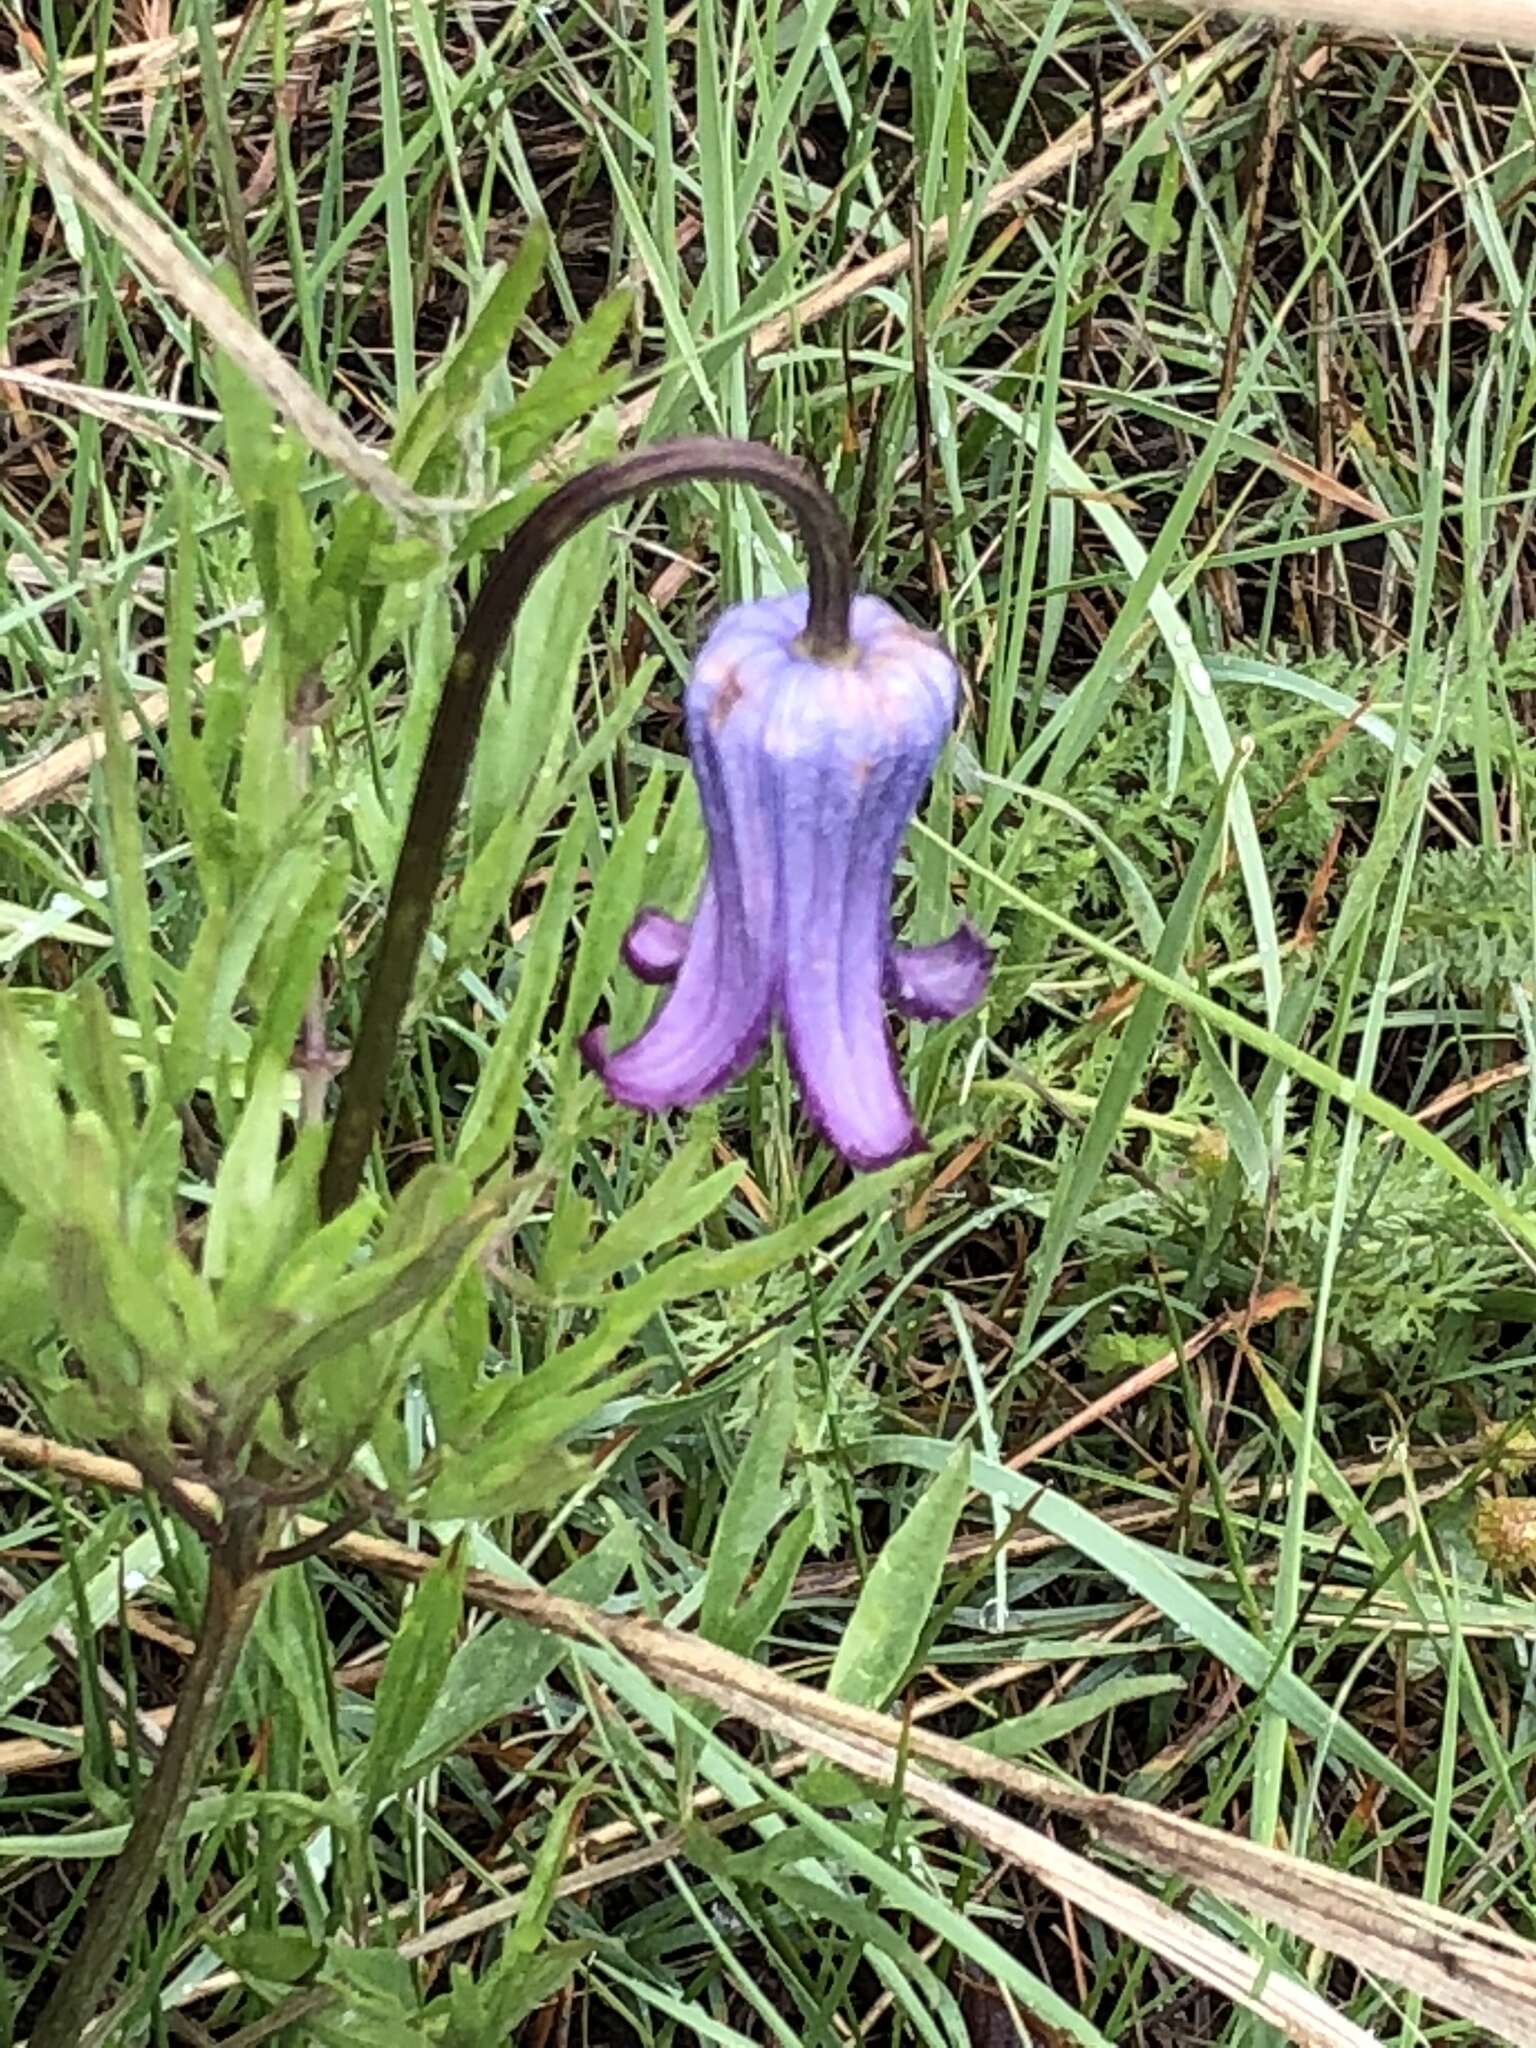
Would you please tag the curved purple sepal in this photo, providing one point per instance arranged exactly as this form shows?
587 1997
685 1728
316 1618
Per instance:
706 1032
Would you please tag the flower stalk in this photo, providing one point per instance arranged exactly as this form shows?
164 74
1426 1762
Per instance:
456 725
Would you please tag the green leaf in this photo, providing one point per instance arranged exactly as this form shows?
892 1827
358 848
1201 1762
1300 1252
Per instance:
239 1214
1234 1107
674 1204
541 1890
692 1273
109 1563
753 1502
455 392
290 1632
924 1997
894 1608
267 795
92 1066
308 1330
1137 1042
198 1010
615 898
530 712
249 424
490 1120
570 384
273 1955
1326 1476
32 1159
775 1583
1173 1592
308 932
226 703
499 1667
1024 1733
515 1986
418 1662
275 884
494 872
132 926
518 1464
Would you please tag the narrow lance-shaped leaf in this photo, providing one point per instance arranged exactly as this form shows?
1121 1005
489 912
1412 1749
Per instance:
894 1608
132 926
1134 1051
452 396
414 1671
494 1108
754 1500
570 384
32 1157
674 1203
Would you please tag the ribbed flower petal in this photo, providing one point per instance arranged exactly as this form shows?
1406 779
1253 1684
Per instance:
838 849
709 1028
942 981
706 1032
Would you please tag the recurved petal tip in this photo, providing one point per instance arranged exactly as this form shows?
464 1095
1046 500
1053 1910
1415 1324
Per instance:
942 981
705 1033
654 946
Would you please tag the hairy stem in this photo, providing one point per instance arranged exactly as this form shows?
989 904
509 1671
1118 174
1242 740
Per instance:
115 1908
456 726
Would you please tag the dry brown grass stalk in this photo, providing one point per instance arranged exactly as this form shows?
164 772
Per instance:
1487 23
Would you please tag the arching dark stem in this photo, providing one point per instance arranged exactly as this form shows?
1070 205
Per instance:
456 726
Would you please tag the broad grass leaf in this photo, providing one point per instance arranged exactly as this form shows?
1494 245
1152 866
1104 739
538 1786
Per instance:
1023 1733
109 1563
1174 1593
499 1667
772 1587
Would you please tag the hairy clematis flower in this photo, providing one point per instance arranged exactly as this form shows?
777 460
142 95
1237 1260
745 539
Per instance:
809 772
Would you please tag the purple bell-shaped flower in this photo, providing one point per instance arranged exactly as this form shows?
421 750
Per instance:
809 773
